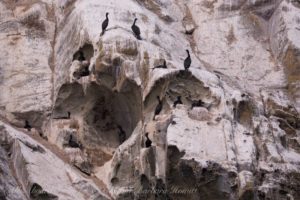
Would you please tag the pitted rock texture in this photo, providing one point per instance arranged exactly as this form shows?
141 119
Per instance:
242 142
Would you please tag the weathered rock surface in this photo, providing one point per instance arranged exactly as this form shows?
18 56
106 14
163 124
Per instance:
42 174
242 143
26 32
9 187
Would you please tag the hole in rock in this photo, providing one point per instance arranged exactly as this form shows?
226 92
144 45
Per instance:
243 113
114 180
87 50
182 84
37 192
35 119
98 111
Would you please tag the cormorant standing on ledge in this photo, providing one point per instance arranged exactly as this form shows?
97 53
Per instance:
85 72
164 66
122 135
27 126
67 117
105 24
158 107
148 141
178 101
198 103
136 30
187 61
81 56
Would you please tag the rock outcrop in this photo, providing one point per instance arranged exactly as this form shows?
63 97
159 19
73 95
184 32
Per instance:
242 142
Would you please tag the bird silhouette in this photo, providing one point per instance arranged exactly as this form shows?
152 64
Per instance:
178 101
136 30
105 24
81 56
187 61
148 141
164 66
198 103
122 134
27 126
85 72
158 107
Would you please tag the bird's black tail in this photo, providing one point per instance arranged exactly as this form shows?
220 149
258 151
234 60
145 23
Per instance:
138 37
154 117
102 33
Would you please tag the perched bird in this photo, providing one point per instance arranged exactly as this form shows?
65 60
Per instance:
122 134
66 117
69 115
105 24
148 141
81 56
27 126
164 66
198 103
72 143
85 72
187 61
34 148
178 101
136 30
158 107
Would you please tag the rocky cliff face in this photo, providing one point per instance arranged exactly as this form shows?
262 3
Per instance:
241 143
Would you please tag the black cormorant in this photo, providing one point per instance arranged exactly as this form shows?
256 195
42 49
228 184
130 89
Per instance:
164 66
178 101
187 61
136 30
158 107
122 134
198 103
27 126
85 72
72 143
69 115
148 141
81 56
105 24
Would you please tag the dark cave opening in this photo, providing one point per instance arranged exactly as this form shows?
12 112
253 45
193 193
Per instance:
98 111
87 50
182 84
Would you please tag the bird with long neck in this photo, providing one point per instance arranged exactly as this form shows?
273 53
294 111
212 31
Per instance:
105 24
69 115
198 103
164 66
178 101
27 126
85 72
122 134
158 107
187 61
136 30
81 56
148 141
